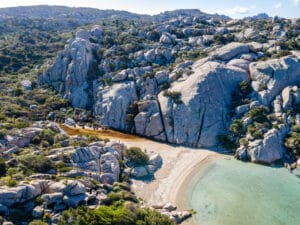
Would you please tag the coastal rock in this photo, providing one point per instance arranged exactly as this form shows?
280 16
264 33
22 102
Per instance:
169 207
72 69
27 85
139 172
270 149
269 78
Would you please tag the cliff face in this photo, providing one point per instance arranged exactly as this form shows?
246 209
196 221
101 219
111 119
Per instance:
155 90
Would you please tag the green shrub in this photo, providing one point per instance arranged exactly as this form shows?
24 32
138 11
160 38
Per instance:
258 114
121 196
34 164
236 127
2 167
296 128
9 181
79 216
152 217
62 167
38 201
226 142
136 157
44 135
3 132
114 215
292 142
37 222
245 87
244 142
174 95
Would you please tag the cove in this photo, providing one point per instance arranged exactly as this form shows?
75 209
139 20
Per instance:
230 192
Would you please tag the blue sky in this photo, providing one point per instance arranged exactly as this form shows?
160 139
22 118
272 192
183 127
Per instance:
232 8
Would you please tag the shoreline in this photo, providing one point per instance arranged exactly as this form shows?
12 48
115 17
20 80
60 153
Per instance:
172 183
185 190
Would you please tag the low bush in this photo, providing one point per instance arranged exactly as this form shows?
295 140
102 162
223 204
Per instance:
174 95
236 127
258 114
37 222
114 215
44 135
34 164
136 157
292 142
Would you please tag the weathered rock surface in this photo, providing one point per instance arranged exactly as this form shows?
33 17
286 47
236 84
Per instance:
204 115
268 150
271 77
112 104
230 51
21 194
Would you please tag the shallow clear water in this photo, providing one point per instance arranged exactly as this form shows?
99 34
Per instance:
236 193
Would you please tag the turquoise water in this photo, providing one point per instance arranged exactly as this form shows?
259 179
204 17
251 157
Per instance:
231 192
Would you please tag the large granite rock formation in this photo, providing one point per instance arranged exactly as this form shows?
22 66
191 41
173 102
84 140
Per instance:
271 77
137 99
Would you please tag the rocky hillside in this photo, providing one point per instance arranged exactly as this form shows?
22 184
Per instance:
185 80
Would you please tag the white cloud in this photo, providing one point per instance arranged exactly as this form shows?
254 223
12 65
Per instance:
279 5
238 10
296 2
235 11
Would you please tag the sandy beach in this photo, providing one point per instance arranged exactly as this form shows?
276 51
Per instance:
180 165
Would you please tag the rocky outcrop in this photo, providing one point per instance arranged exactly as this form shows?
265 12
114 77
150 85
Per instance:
271 77
102 161
185 104
112 104
230 51
73 71
268 150
205 115
21 194
154 163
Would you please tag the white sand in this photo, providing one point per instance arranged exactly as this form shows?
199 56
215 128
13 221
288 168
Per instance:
179 165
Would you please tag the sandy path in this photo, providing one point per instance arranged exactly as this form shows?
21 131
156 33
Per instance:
180 164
